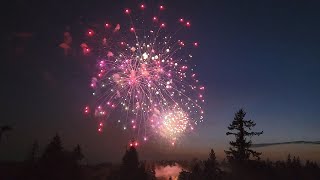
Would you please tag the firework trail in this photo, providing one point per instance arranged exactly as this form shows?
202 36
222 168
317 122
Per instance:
143 78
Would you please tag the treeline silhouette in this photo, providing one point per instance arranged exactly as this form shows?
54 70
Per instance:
53 164
292 169
241 162
245 163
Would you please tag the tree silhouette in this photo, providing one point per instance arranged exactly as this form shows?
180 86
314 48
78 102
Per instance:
57 163
240 149
30 164
196 171
184 175
130 159
289 161
311 165
4 129
54 147
152 172
52 161
142 174
211 170
130 168
33 156
77 153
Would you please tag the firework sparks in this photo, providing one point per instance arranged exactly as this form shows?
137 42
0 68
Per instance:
173 124
144 76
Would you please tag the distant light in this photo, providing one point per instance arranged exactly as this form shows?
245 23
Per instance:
142 6
161 7
188 24
127 11
86 109
163 25
155 18
132 29
181 20
90 32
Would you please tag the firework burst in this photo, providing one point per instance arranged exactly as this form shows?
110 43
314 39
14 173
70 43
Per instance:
143 75
173 124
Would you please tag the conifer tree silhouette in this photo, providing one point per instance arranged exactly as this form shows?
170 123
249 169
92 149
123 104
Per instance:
77 153
211 170
131 168
34 152
240 148
4 129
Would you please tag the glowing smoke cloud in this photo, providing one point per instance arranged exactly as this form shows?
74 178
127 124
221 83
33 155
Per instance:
165 172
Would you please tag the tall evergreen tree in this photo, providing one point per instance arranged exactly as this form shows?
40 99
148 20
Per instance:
289 161
211 170
131 168
240 148
52 161
77 153
54 147
4 129
197 172
130 159
34 152
31 162
58 163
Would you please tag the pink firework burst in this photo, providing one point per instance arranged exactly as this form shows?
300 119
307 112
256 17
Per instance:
144 78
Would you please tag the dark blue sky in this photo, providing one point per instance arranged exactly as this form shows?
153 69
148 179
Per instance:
261 56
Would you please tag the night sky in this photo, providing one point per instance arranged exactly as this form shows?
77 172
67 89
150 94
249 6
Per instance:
262 56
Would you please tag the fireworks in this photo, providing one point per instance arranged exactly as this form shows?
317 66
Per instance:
144 78
173 124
